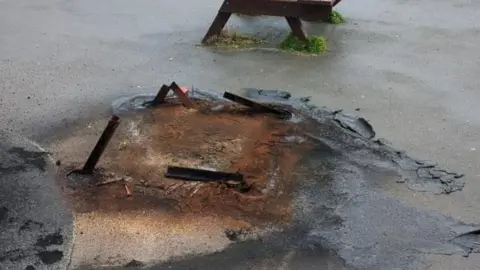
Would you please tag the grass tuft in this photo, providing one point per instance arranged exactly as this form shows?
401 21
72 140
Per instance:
335 18
232 40
314 44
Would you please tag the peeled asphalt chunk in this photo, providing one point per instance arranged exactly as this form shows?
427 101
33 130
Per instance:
341 210
36 226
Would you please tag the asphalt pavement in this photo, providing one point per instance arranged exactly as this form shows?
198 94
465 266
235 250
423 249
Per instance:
36 226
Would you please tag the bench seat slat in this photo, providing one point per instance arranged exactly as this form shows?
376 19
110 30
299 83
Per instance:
318 2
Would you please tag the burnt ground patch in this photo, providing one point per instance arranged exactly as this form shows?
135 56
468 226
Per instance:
334 186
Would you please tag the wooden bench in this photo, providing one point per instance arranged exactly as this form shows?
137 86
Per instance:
292 10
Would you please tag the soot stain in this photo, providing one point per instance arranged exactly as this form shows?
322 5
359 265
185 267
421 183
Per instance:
12 169
50 257
50 239
3 213
13 255
249 253
37 159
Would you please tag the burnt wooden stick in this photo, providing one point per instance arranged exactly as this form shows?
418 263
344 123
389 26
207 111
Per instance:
160 97
186 101
217 25
101 145
297 28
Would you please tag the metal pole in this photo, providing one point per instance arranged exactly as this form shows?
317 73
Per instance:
101 145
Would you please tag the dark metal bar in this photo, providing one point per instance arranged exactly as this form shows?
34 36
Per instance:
160 97
201 175
101 145
186 101
255 105
162 93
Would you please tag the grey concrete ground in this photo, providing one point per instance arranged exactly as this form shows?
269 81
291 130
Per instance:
411 67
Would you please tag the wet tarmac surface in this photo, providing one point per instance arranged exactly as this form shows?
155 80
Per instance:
408 67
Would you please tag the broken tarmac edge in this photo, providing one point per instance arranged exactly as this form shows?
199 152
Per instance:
36 224
423 175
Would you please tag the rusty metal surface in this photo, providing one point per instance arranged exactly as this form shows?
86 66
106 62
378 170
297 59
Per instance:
218 136
183 97
194 174
102 143
162 93
160 97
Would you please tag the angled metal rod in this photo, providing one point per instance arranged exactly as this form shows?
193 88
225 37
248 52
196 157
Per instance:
255 105
99 148
202 175
186 101
160 97
162 93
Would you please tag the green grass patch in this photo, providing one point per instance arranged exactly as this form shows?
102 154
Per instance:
335 18
314 44
232 40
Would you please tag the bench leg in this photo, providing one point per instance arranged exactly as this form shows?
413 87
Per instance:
217 25
297 28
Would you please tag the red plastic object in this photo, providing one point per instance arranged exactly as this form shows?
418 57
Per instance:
184 89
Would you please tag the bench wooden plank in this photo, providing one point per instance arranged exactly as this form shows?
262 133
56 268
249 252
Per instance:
274 8
318 2
218 24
